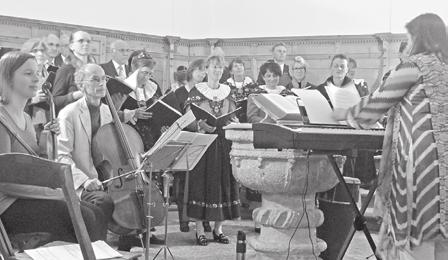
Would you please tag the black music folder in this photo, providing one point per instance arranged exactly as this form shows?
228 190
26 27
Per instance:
212 120
116 85
52 68
164 110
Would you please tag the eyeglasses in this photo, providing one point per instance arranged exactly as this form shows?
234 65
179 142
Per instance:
98 80
37 50
53 44
83 41
301 68
146 73
123 50
144 55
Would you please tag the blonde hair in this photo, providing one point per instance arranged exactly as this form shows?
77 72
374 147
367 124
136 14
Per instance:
217 56
32 43
9 64
300 60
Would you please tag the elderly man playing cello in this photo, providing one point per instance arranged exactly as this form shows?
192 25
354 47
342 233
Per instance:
79 122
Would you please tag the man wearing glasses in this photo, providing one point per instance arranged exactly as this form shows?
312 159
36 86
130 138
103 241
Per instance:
80 121
65 91
117 67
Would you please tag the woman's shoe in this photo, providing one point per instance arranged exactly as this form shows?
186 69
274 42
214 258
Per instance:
201 240
206 226
258 230
221 238
184 227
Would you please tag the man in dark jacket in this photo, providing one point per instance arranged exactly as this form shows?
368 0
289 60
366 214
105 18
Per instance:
117 67
279 57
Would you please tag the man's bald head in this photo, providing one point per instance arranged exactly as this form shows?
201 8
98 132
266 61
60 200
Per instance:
86 72
53 45
120 51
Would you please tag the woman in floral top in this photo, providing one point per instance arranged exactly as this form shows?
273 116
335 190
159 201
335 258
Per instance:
241 86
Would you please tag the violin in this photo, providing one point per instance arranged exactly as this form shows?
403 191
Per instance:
115 151
48 139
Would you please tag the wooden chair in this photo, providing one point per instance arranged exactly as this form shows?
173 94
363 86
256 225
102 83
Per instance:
46 180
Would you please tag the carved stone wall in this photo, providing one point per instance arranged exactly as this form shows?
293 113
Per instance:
375 54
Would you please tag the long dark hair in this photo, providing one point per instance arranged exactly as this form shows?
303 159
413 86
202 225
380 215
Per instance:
429 35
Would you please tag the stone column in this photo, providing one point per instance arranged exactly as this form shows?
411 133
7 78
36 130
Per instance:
171 42
288 181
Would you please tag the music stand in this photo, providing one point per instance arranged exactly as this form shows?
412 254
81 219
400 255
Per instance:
170 158
359 220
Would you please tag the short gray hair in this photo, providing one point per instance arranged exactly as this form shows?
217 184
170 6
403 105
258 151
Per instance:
81 73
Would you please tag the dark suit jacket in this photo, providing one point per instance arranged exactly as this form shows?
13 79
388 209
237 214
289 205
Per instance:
285 79
58 61
110 70
364 164
64 86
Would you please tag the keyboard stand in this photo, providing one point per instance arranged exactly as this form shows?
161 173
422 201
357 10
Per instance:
359 223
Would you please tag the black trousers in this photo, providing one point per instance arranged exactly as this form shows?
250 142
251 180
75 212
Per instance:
101 200
52 216
179 184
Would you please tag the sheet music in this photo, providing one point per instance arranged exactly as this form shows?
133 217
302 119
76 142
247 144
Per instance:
316 106
278 107
72 252
345 97
173 131
193 152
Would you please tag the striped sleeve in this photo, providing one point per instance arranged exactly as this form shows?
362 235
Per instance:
371 108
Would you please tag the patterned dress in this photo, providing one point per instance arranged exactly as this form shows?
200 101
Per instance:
414 165
240 93
213 191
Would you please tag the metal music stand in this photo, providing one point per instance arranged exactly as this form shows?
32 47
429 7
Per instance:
172 162
359 221
167 178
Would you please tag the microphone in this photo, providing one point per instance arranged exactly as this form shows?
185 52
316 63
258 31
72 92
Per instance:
241 246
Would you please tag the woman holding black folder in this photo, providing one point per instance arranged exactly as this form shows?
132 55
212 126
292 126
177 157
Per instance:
213 191
144 95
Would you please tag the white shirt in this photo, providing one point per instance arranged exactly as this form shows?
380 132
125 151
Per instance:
117 69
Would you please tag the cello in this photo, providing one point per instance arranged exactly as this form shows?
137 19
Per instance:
115 151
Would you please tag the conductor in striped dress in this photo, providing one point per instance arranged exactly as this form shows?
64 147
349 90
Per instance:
414 167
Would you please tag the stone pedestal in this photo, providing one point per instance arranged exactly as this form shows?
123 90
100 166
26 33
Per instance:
288 181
